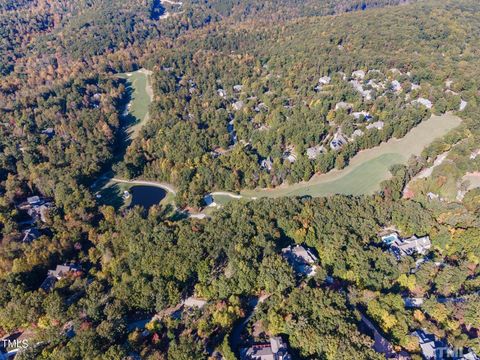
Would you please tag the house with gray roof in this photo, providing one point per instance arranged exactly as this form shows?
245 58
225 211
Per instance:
338 142
34 200
301 259
266 164
422 101
276 349
314 151
410 246
60 272
376 125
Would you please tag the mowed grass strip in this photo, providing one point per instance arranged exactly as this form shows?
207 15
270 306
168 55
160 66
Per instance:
370 167
141 98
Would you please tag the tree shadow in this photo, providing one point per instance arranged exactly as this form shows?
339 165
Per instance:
112 196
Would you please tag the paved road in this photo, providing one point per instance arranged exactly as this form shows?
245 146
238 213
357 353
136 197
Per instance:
162 185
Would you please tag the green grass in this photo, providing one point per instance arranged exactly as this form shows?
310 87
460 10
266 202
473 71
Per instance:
141 97
222 199
369 167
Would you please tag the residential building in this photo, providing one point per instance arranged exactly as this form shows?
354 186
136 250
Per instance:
325 80
402 247
396 86
425 102
358 74
343 105
34 200
238 88
430 347
338 142
39 212
60 272
357 133
314 151
266 164
366 116
289 154
238 105
192 302
410 246
376 125
49 132
435 349
413 303
301 259
276 349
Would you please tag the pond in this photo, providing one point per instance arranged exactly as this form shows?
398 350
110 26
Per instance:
146 196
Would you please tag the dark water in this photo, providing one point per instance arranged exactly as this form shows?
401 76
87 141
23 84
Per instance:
146 196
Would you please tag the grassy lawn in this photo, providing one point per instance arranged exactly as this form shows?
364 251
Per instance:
141 97
370 167
223 199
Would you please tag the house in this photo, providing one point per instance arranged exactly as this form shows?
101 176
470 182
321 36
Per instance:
276 349
289 155
430 347
376 125
463 105
238 88
261 107
413 303
357 133
425 102
30 235
337 142
396 86
266 164
343 105
470 356
314 151
39 212
410 246
34 200
238 105
49 132
415 87
60 272
193 302
301 259
367 94
222 93
359 114
325 80
358 74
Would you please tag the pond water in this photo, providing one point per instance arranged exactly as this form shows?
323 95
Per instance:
146 196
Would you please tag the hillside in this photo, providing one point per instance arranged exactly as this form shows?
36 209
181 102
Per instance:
261 105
